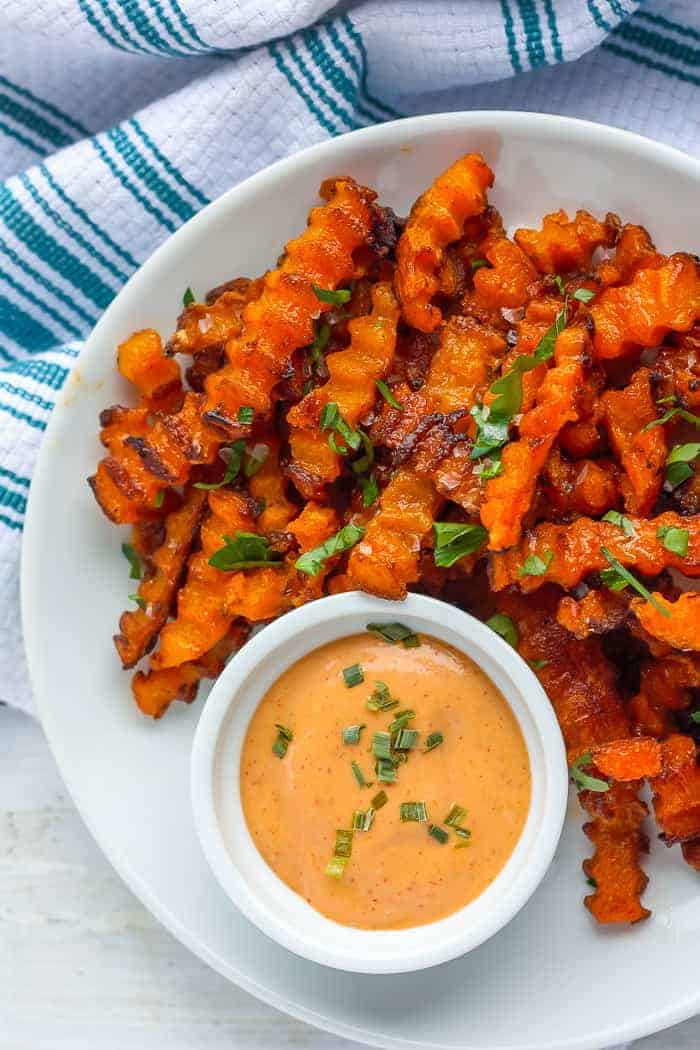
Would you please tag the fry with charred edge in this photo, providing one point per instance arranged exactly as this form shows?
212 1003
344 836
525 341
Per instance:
281 320
585 486
666 686
576 551
510 494
633 251
203 325
351 386
436 220
154 691
141 360
139 628
510 280
655 302
596 613
677 371
677 790
631 758
565 245
681 630
614 868
124 501
641 452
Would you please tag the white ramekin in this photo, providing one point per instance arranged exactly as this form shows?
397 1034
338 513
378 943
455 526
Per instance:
255 889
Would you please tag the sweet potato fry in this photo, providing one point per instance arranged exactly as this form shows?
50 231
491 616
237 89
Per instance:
633 251
614 868
641 452
351 386
154 691
139 628
681 629
677 370
576 551
201 326
631 758
141 360
564 245
281 320
509 495
585 486
677 790
655 302
436 220
596 613
510 281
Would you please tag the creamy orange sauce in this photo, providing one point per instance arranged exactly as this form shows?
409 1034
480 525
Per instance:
397 876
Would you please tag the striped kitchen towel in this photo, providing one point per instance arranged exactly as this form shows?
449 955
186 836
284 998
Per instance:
119 119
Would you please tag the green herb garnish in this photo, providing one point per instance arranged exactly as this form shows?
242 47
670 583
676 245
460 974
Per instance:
314 561
362 819
673 539
477 264
254 459
359 776
134 561
503 625
395 632
160 496
282 741
618 577
537 665
454 540
353 675
233 467
455 817
536 566
695 717
351 734
584 781
584 295
381 699
245 414
331 419
406 739
247 550
464 834
336 867
343 843
379 800
413 812
188 297
434 740
141 602
381 745
336 298
401 720
319 345
438 833
369 489
670 414
678 462
386 771
615 518
387 394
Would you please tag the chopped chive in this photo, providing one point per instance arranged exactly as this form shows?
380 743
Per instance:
319 345
678 462
362 819
381 699
188 297
160 496
476 264
381 745
351 734
327 295
340 450
387 394
438 833
245 414
386 771
362 465
284 731
622 577
537 665
615 518
233 467
584 781
379 800
395 632
673 539
695 717
413 812
336 867
406 739
369 489
134 561
353 675
560 284
462 833
455 817
402 719
434 740
141 602
503 625
536 566
284 736
343 843
359 776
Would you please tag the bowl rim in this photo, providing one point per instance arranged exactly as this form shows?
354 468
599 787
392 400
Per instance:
292 922
589 133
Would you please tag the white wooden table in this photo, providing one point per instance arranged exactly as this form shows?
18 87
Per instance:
83 966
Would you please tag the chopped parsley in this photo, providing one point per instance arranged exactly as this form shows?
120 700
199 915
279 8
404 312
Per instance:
247 550
336 298
583 781
454 540
134 561
314 561
503 625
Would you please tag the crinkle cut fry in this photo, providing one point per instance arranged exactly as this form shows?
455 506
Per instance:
509 496
351 385
634 251
154 691
565 245
437 219
677 790
281 319
139 628
576 551
680 629
666 687
581 686
201 326
641 452
511 279
584 486
596 613
677 370
631 758
656 301
156 377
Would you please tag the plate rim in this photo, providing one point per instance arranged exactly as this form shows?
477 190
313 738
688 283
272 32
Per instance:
504 120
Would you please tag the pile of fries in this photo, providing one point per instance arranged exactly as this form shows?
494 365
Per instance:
509 423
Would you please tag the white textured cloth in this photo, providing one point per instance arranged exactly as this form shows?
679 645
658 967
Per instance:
120 118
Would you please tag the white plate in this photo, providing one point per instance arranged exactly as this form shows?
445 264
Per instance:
551 979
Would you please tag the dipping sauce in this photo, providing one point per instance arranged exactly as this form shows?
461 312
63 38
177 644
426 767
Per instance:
398 875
